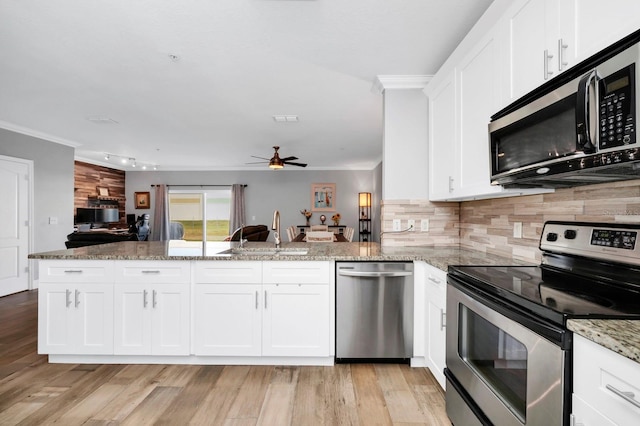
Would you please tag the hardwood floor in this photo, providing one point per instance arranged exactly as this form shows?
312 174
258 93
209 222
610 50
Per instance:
33 392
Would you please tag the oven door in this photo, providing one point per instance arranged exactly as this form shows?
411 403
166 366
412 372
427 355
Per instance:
509 373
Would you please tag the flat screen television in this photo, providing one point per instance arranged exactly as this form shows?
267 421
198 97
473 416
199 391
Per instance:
87 215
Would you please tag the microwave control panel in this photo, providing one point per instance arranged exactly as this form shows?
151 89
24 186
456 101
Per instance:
617 113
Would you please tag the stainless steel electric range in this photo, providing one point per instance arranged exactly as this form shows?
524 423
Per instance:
508 346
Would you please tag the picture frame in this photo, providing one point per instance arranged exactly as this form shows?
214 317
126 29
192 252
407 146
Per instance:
102 191
323 197
143 200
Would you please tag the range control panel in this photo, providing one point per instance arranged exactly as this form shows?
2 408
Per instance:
606 241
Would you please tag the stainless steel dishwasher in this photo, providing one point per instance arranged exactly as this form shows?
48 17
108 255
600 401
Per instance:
374 311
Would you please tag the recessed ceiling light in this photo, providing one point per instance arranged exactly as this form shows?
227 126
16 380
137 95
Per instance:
101 120
285 118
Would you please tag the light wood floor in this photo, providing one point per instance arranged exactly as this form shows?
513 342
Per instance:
33 392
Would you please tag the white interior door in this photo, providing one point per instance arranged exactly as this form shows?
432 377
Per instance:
14 217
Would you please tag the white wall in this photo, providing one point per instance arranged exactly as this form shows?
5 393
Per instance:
405 145
286 190
53 186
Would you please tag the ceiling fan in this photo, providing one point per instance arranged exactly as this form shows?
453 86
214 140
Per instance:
276 162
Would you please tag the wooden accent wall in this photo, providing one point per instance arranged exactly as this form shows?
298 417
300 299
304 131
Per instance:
88 177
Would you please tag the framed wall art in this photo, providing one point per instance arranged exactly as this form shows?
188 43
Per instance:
323 197
143 200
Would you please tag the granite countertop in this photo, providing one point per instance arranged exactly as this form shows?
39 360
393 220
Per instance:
620 336
440 257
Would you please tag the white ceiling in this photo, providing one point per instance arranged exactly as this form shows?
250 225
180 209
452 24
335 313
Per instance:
240 62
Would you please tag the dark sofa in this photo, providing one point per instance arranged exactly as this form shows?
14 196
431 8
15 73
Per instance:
251 233
92 238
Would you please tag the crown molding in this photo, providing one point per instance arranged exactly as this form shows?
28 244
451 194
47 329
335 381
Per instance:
36 134
383 82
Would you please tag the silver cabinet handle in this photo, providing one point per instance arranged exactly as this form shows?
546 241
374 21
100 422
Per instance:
434 280
144 298
627 396
77 298
151 271
265 299
73 271
561 48
450 183
155 301
257 299
67 293
547 71
349 273
443 319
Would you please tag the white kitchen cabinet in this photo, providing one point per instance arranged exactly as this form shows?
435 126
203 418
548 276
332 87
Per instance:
606 386
75 308
296 320
442 138
152 308
262 308
435 318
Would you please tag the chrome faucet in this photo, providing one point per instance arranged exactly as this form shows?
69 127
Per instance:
276 227
242 241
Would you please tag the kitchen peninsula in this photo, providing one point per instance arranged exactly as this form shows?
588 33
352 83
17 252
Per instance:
185 302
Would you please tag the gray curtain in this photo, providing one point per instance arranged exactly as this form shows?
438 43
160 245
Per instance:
237 218
160 223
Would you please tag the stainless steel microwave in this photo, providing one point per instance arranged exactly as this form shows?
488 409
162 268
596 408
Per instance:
578 129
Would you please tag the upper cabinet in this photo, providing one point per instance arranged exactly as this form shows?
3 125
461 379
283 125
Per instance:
546 37
515 47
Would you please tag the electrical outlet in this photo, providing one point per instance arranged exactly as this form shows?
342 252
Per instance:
517 229
397 226
53 220
424 225
411 224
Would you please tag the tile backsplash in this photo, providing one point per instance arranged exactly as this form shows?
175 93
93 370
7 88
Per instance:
488 225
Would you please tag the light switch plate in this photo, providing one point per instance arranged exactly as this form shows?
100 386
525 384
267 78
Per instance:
411 224
517 229
424 225
397 225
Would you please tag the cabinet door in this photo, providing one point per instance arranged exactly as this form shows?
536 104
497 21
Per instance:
296 320
527 29
227 319
478 76
93 317
435 316
170 319
132 319
442 139
55 320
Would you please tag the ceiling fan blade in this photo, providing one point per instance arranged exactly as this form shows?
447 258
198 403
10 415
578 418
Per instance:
289 158
295 164
258 162
262 158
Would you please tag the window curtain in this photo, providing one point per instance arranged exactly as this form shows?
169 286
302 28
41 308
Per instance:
237 208
160 224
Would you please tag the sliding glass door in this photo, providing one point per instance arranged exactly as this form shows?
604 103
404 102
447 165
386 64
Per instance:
204 213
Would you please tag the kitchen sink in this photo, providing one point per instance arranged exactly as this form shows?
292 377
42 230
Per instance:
266 251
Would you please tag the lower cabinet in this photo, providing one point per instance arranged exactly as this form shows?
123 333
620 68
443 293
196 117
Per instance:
606 386
236 314
151 319
75 318
435 317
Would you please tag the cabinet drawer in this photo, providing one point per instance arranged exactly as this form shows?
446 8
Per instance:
435 281
296 272
598 373
228 272
153 272
76 271
585 415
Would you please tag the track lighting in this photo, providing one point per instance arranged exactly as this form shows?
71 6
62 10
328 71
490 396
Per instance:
128 160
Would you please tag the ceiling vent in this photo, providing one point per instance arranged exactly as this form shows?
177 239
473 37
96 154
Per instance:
285 118
101 120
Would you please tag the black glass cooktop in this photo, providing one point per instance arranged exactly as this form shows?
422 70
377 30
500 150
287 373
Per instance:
553 294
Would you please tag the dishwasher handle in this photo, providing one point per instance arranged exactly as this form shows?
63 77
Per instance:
374 274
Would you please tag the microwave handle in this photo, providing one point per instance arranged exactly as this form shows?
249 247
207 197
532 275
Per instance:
583 119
